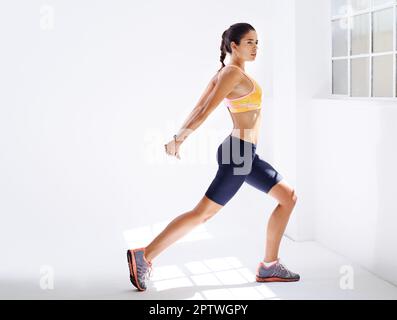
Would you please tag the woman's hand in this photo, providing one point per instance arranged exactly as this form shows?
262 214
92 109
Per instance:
172 148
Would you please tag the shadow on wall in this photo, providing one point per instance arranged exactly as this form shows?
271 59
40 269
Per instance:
385 255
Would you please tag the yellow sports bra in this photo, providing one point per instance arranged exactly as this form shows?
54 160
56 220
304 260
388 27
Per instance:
248 102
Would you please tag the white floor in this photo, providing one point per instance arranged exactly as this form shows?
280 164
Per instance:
219 267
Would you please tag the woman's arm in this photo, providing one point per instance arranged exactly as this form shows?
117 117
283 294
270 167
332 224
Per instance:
215 92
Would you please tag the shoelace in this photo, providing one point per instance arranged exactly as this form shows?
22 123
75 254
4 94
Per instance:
285 269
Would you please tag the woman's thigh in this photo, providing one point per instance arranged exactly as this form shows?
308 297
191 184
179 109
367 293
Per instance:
234 158
224 186
263 175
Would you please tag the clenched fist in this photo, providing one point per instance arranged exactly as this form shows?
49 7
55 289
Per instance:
172 148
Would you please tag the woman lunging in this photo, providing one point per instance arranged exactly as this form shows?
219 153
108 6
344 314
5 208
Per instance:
237 160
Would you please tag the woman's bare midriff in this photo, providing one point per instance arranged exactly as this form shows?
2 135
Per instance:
246 125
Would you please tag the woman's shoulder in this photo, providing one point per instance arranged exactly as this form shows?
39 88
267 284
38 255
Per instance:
226 72
230 68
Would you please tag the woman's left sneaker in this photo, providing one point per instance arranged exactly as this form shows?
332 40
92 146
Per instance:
275 272
140 268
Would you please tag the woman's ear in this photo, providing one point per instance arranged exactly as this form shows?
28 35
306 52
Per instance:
232 45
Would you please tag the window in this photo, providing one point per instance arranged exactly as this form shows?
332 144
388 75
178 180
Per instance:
364 53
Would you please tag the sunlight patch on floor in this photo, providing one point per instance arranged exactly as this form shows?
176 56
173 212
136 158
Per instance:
172 283
219 272
167 272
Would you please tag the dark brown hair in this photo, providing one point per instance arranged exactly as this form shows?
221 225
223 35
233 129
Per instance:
234 33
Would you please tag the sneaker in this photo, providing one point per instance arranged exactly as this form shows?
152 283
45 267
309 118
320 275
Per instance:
275 272
140 268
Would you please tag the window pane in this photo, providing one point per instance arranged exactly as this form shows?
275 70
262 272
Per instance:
339 7
360 34
360 77
339 37
382 76
381 2
339 76
383 30
359 5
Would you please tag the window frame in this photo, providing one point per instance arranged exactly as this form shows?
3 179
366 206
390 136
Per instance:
349 16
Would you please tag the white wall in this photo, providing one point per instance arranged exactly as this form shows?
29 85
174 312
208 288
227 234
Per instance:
346 155
355 181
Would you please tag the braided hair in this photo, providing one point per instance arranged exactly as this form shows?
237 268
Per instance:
234 33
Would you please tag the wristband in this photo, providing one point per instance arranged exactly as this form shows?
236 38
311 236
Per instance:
175 142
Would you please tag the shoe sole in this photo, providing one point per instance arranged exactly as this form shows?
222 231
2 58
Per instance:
275 279
132 267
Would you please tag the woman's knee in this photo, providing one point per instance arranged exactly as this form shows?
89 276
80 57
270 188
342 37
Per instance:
293 199
206 209
290 200
204 215
284 194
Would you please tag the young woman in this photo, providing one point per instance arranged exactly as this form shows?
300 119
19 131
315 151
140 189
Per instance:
237 159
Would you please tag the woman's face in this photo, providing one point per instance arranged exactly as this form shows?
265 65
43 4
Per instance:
248 46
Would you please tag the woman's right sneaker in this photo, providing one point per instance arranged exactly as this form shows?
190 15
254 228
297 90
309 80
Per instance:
275 272
140 268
